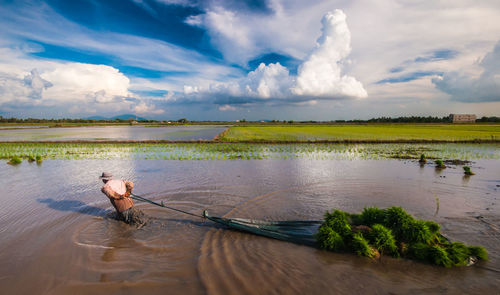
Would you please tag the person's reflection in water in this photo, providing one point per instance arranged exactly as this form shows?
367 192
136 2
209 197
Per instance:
118 241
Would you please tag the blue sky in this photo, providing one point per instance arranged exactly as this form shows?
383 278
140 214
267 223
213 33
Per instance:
228 60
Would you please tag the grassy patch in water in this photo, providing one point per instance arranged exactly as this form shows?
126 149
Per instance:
14 161
247 151
360 132
439 164
395 232
467 170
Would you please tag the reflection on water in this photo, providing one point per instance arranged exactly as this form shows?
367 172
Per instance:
58 235
113 133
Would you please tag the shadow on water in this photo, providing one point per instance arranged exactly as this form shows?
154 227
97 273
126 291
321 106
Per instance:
73 206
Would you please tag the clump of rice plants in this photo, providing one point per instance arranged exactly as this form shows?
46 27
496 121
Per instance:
38 159
422 160
439 164
14 161
31 159
394 232
467 170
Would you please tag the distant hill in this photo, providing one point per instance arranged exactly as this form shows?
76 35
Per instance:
121 117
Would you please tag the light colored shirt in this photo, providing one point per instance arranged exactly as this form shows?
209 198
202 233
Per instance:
117 185
116 191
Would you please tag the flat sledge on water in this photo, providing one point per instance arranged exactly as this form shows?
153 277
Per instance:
372 233
295 231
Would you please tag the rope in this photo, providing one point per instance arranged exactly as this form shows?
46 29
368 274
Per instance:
139 198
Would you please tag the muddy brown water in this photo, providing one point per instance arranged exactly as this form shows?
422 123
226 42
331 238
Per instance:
57 237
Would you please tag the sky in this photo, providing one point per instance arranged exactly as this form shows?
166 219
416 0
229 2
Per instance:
254 60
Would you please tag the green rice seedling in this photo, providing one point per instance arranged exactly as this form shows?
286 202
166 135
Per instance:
439 256
373 215
419 251
458 253
329 239
417 232
422 160
399 222
38 159
338 221
467 170
439 164
433 226
383 240
31 159
361 247
15 161
479 252
355 219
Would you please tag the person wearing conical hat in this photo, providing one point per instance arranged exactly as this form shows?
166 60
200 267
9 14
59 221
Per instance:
118 191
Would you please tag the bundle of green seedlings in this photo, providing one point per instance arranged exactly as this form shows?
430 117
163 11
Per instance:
467 170
394 232
440 165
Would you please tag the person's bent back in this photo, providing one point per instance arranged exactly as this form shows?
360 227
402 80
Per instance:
119 191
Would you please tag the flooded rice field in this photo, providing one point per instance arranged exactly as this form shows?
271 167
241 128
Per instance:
58 235
112 133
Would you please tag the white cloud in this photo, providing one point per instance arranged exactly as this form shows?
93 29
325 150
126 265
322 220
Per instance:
144 108
44 25
77 81
77 88
226 107
229 33
241 34
385 35
321 74
271 81
36 83
468 88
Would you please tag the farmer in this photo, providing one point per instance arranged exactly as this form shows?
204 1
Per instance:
118 192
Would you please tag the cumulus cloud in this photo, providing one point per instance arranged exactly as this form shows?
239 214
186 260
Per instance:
77 88
78 81
36 83
466 88
320 76
144 108
271 81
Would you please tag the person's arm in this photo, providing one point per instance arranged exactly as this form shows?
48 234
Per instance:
111 193
129 185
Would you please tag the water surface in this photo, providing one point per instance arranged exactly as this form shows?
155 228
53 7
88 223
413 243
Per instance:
57 236
113 133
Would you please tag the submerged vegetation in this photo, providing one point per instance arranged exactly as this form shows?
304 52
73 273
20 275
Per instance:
394 232
246 151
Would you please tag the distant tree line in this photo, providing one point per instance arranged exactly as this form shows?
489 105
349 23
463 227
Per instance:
411 119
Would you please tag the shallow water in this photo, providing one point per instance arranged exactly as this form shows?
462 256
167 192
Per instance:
113 133
57 237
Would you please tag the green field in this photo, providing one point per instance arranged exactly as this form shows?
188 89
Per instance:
363 132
